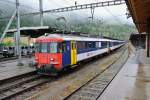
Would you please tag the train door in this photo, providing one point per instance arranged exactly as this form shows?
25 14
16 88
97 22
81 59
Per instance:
73 53
66 53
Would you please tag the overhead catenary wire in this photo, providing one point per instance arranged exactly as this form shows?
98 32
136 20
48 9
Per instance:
115 17
4 11
22 5
70 5
79 7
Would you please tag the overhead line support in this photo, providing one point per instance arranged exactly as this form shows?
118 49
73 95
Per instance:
86 6
79 7
41 12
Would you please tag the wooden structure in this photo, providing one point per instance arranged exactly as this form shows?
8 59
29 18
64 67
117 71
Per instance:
140 12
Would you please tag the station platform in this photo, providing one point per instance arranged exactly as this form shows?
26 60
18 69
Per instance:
10 69
133 80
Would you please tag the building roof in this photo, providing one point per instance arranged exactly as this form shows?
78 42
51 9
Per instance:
33 31
140 12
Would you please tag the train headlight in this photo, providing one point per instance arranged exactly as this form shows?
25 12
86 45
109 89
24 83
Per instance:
36 59
52 59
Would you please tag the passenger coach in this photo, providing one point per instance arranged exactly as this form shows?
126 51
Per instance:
56 52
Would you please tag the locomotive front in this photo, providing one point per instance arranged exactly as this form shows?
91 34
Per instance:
48 55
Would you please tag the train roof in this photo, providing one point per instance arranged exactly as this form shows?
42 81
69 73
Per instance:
73 37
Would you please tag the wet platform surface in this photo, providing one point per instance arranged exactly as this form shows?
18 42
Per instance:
133 81
10 69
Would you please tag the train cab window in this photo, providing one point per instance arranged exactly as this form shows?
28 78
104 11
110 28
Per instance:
53 47
43 48
37 47
59 47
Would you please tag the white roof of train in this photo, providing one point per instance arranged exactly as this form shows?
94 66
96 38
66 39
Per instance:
78 38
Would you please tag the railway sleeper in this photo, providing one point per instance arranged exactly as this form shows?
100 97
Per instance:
77 97
87 94
21 89
95 90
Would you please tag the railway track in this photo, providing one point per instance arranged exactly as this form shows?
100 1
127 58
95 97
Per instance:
93 89
17 85
21 84
6 59
11 58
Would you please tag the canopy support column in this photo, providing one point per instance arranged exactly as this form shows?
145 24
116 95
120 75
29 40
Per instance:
18 34
148 38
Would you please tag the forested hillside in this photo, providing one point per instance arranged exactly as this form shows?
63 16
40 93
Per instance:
120 31
97 26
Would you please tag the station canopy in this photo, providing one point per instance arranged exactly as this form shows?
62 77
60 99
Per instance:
140 12
33 32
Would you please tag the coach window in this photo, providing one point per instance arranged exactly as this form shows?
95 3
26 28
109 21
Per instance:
86 45
104 44
94 44
90 45
110 44
80 45
100 44
97 45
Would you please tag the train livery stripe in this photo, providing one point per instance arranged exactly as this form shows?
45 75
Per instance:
86 55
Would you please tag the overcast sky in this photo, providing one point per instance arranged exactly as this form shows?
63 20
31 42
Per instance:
112 13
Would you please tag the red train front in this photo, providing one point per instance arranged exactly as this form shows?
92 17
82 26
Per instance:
48 57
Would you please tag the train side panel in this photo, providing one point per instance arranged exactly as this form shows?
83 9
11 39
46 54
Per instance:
90 54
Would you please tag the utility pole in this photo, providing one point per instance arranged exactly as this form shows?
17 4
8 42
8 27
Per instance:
18 34
41 12
92 12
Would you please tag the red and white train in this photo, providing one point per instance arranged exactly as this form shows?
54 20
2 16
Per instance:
56 52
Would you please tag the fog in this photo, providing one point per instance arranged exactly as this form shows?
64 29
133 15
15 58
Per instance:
112 14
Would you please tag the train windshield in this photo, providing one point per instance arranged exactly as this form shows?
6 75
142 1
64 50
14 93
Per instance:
43 48
52 47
